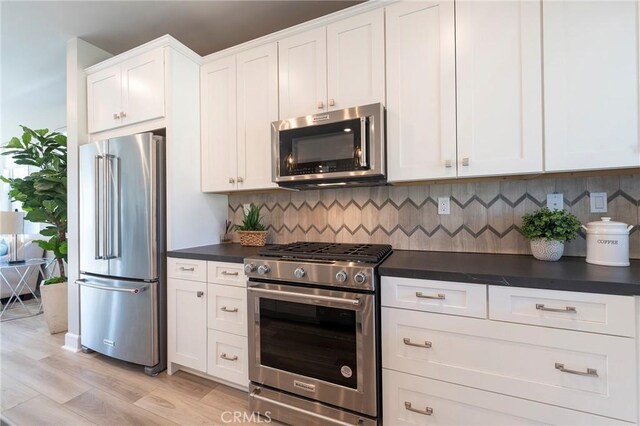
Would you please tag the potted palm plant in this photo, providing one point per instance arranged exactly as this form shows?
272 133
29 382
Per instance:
252 231
548 230
43 195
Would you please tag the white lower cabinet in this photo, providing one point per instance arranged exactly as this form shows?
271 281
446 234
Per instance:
413 400
186 314
227 357
207 320
486 371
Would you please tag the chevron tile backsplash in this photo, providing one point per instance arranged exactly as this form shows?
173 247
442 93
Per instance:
485 216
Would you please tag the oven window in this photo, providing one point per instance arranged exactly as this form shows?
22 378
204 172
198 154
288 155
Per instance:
313 341
325 148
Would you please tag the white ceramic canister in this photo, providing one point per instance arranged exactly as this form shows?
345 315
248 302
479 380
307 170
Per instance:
608 242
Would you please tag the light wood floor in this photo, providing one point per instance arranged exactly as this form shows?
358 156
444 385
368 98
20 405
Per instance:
43 384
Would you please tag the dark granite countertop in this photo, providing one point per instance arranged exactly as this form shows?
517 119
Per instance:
233 252
569 273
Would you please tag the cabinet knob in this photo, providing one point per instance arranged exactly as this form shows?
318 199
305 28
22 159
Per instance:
232 180
332 102
116 116
200 293
240 179
448 164
320 105
465 161
122 114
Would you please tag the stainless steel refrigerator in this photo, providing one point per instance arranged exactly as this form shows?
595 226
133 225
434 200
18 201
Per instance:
122 249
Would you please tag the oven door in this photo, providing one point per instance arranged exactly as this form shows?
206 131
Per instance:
316 343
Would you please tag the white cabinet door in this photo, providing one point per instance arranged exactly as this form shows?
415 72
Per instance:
499 78
104 99
591 84
257 80
421 91
143 87
355 61
218 102
187 323
303 73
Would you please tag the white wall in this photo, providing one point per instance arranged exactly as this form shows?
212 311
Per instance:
80 55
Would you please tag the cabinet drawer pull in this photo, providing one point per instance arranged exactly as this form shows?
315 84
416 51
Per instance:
448 164
193 268
228 358
427 411
465 161
591 372
200 293
234 274
116 116
123 114
567 309
438 296
427 344
225 309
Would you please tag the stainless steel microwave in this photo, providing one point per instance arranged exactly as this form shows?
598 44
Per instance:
330 149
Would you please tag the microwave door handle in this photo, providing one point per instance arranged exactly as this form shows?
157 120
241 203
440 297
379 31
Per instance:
364 141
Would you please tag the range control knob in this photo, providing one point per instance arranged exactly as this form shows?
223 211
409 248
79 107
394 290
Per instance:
341 276
263 269
299 273
249 268
360 278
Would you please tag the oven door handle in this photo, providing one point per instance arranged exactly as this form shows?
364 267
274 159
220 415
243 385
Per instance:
352 302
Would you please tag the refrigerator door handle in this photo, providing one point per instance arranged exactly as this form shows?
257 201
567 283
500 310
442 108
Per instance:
96 201
105 208
113 214
107 288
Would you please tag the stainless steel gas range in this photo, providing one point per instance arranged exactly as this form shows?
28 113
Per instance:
314 353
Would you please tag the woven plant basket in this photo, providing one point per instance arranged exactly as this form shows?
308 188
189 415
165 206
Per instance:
253 238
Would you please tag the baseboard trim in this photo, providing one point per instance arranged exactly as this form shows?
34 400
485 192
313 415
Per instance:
72 342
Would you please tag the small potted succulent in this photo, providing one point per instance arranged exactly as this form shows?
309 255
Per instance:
548 230
252 231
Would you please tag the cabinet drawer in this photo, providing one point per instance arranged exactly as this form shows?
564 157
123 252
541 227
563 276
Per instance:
598 313
226 273
227 357
187 269
227 309
540 364
435 296
450 404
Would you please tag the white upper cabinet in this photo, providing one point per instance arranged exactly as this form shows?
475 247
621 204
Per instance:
355 61
303 74
499 83
333 67
239 100
218 103
128 93
421 92
591 84
257 90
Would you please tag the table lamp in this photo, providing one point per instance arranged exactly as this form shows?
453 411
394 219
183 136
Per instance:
12 223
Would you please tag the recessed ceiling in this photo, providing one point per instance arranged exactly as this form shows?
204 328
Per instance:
33 37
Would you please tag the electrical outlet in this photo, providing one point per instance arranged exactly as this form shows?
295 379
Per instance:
245 208
598 201
444 206
555 201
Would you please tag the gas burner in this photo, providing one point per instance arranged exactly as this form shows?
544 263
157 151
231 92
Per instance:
366 253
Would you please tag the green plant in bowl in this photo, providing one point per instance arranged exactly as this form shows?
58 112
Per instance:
548 230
